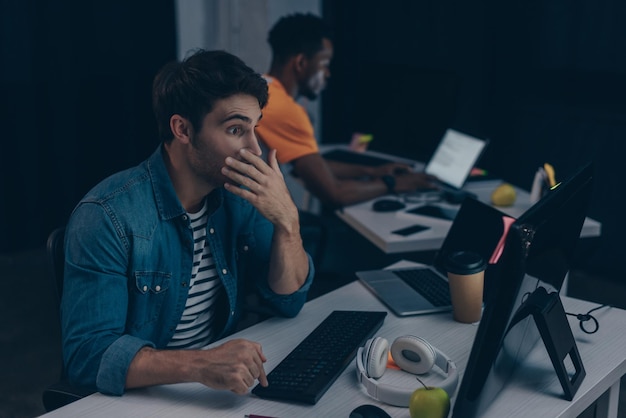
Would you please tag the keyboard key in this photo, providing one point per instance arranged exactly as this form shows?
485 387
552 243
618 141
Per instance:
427 284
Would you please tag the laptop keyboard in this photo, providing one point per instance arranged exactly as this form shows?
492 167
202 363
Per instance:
427 284
351 157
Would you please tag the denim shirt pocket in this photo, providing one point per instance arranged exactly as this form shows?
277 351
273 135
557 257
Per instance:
147 297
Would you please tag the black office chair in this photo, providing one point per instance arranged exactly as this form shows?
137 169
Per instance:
54 250
60 393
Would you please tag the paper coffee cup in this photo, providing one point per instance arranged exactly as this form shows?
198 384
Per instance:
466 276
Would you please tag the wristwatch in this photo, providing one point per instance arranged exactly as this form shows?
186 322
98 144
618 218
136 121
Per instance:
390 182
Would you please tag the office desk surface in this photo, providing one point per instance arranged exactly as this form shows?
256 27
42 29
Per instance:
377 226
536 392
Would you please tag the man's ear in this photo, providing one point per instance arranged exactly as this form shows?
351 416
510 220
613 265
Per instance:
300 63
181 128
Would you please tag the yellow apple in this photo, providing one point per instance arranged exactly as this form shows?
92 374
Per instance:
429 402
503 195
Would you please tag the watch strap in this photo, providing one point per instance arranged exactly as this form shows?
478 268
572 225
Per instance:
390 182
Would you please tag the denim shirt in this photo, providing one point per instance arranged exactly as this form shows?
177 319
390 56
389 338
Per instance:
128 260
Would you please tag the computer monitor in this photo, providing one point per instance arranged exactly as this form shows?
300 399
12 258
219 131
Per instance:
538 252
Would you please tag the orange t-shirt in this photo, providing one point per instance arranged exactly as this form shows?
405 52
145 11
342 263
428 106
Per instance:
285 125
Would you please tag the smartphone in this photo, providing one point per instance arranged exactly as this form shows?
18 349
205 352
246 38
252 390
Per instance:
435 212
413 229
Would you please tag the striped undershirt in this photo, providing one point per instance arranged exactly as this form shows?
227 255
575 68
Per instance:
196 326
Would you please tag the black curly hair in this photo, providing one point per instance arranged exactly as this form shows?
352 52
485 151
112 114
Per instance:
298 33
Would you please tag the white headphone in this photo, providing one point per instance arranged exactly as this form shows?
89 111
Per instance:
412 354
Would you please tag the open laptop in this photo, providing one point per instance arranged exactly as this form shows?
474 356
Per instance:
454 158
418 290
452 162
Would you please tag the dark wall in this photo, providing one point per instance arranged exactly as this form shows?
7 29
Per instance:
74 102
405 71
544 80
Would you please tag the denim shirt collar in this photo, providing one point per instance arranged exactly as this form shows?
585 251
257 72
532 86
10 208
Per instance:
167 202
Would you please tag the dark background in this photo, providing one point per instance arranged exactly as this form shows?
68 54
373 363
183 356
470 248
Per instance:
75 85
543 80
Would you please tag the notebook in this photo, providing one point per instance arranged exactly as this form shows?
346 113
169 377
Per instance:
419 290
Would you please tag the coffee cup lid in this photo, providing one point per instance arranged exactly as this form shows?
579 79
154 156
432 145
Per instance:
464 262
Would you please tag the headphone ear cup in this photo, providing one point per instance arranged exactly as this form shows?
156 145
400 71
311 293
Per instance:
375 357
413 354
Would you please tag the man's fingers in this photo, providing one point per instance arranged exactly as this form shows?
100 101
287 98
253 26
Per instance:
254 160
240 166
273 161
263 378
262 359
239 178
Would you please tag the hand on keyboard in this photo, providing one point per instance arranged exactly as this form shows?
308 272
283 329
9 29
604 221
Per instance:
311 368
234 365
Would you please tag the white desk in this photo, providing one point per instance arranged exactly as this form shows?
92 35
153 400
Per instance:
377 226
534 394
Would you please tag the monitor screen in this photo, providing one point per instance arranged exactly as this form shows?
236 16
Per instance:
538 251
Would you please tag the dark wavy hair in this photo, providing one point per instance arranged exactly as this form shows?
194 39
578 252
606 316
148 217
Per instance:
190 88
297 33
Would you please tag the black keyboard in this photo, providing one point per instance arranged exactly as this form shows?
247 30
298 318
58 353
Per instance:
351 157
313 366
427 284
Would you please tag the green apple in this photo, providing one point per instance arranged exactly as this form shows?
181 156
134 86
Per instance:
429 402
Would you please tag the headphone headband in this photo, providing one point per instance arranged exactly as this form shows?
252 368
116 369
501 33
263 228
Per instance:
398 396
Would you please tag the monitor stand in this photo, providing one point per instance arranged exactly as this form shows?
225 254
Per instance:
551 320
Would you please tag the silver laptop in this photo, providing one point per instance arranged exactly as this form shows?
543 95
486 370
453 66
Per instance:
454 158
419 290
452 162
392 288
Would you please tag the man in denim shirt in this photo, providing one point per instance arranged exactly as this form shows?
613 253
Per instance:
197 219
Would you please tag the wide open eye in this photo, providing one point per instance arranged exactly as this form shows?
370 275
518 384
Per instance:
236 130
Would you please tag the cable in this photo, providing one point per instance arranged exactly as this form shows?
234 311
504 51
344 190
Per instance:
588 317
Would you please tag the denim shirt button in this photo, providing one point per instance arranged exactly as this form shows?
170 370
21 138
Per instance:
245 248
157 288
232 313
224 271
184 217
211 231
145 288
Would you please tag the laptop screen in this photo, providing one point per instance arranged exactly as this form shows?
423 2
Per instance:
478 227
455 157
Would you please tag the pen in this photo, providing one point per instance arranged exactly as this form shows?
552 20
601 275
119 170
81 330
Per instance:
256 416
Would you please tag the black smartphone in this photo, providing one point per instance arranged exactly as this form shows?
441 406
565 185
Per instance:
434 211
413 229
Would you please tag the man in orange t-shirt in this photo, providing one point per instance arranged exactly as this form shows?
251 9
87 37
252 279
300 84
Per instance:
302 50
287 128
